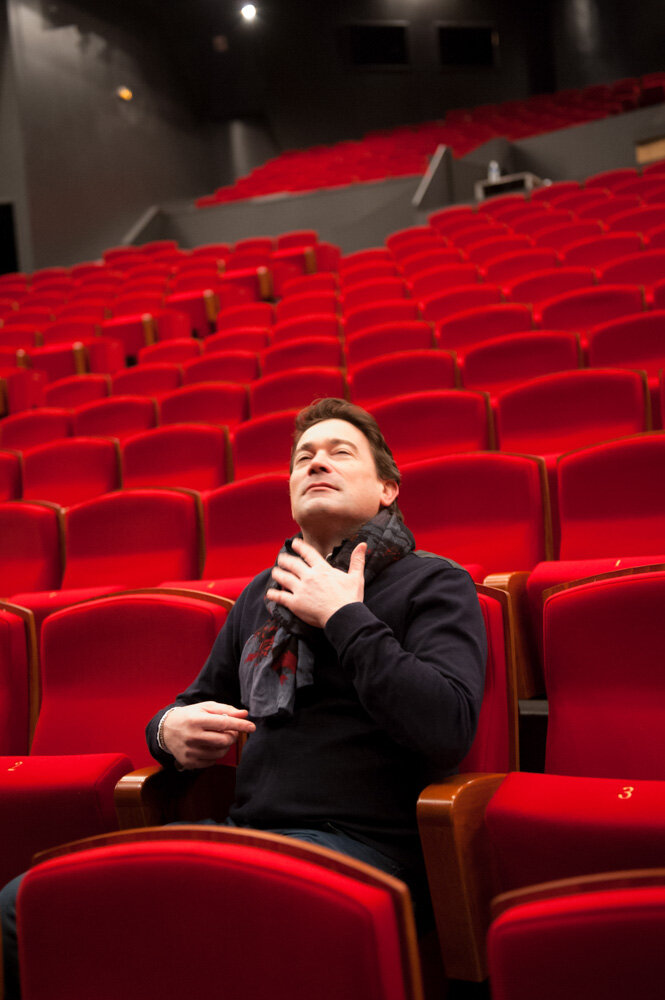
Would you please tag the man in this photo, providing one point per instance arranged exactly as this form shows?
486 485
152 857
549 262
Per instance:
355 665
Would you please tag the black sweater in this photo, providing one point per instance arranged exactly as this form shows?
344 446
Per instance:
398 682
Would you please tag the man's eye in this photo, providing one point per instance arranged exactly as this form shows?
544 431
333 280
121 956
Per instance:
342 451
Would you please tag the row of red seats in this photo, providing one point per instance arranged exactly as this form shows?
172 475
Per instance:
405 150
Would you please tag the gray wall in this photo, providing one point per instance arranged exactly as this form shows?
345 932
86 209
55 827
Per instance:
93 164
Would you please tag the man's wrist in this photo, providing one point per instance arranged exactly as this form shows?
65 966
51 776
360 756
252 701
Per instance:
160 730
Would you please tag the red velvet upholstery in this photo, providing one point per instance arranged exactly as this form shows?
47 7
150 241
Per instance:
301 328
611 502
223 403
455 300
129 538
71 470
246 314
587 307
106 666
388 338
548 826
591 944
75 390
225 366
430 424
598 250
486 509
109 664
351 928
632 342
10 475
45 801
242 338
562 235
246 523
134 330
34 427
507 361
147 379
472 326
376 313
572 409
263 444
200 306
386 289
117 416
31 546
189 455
533 288
177 350
18 678
438 278
514 264
405 371
326 352
295 388
638 220
307 304
643 268
603 675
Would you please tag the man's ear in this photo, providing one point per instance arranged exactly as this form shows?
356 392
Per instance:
390 492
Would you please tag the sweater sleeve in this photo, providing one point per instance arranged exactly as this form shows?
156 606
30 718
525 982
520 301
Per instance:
425 688
217 681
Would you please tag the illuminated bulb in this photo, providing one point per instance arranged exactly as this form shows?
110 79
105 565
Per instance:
124 93
248 11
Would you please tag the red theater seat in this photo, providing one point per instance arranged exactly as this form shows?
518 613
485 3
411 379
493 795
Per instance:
147 379
34 427
263 444
329 901
393 311
222 403
71 470
508 361
194 456
18 677
31 546
223 366
319 352
105 665
388 338
75 390
405 371
488 511
430 424
596 937
296 388
10 475
117 416
472 326
586 307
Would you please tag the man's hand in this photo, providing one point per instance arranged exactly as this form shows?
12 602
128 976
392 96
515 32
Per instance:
199 735
313 589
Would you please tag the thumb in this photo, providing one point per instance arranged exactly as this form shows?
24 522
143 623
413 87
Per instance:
357 560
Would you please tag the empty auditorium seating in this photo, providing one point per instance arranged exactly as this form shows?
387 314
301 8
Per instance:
263 444
405 371
223 403
105 664
596 935
34 427
147 379
326 352
466 328
429 424
486 510
579 310
18 677
246 523
388 338
508 361
71 470
223 366
128 538
327 901
117 416
194 456
295 388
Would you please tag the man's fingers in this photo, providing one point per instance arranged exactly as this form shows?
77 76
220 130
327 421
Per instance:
357 560
306 552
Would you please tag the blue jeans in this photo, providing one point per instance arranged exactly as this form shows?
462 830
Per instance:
328 836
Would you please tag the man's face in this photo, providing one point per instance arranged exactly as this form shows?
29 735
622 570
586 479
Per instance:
334 483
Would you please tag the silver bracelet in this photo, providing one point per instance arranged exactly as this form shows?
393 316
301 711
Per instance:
160 730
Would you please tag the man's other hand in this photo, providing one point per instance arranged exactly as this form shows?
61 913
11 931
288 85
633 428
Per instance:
198 735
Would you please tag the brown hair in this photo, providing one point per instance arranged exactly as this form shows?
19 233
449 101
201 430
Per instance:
338 409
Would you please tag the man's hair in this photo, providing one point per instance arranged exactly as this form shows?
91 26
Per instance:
338 409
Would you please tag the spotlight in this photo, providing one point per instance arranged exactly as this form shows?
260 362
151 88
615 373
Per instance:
248 11
124 93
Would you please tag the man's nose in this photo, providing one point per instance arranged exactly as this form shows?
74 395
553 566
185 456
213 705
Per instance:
318 461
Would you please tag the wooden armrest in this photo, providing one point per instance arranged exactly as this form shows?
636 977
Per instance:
451 818
155 795
529 672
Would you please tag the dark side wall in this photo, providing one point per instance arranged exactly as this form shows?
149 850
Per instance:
94 164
